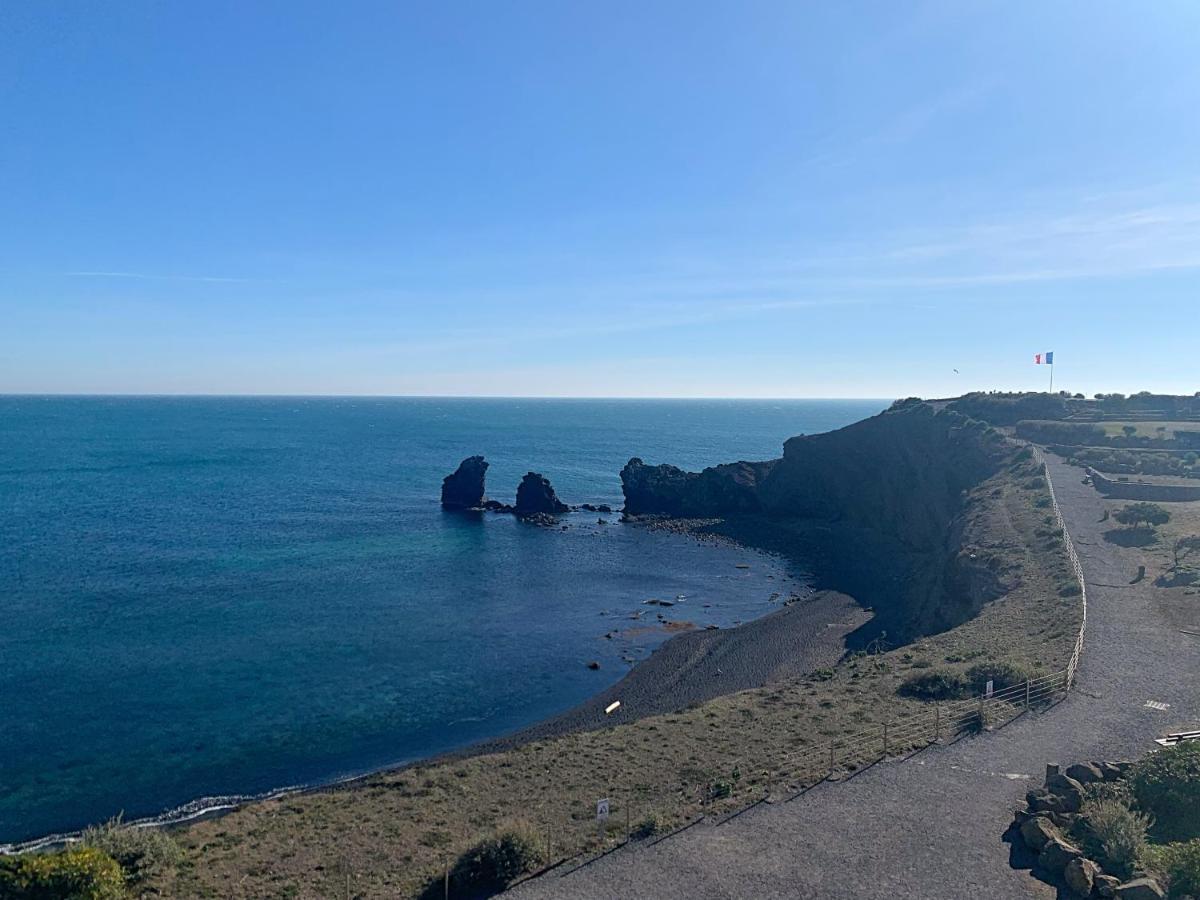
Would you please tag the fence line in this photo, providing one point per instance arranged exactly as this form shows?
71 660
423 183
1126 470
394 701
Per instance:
582 835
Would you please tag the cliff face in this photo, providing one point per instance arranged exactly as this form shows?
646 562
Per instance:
670 491
890 498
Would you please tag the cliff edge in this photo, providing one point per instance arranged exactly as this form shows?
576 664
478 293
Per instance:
892 510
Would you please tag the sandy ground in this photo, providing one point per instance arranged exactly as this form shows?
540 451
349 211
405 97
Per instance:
697 666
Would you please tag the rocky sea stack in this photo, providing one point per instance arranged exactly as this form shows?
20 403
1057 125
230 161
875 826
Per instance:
464 488
535 496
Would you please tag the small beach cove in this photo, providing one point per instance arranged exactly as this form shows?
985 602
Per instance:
325 619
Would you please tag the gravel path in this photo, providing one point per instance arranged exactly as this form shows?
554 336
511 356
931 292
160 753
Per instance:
930 826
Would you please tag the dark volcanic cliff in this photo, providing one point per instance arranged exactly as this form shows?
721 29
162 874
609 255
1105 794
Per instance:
884 508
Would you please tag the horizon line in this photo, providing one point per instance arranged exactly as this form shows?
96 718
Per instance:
314 396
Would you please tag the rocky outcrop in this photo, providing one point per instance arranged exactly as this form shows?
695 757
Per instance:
671 491
1053 831
535 496
890 496
463 489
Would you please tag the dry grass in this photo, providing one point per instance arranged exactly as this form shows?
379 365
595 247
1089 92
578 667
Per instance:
1148 429
392 834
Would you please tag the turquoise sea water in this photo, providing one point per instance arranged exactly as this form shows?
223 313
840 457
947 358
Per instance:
207 596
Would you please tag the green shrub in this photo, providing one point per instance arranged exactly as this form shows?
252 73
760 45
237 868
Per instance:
940 684
138 851
80 873
1114 834
495 863
1179 865
1134 514
1001 674
1108 790
1166 785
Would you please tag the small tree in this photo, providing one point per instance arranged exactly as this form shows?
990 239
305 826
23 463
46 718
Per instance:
1130 430
1185 547
1151 514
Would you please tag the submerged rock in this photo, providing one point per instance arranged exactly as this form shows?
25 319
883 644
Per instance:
463 489
535 496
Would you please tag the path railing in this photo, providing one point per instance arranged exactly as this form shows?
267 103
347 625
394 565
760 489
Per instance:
573 833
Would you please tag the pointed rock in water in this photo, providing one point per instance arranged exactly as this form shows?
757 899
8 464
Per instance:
464 488
536 496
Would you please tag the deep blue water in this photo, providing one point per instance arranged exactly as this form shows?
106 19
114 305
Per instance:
204 596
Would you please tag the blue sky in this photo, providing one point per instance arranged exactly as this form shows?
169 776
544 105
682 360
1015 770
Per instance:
608 199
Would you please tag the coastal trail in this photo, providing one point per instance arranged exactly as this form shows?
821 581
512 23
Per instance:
931 825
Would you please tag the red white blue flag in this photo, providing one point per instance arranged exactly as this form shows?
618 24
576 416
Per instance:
1044 358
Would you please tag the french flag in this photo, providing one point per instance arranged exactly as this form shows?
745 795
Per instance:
1044 358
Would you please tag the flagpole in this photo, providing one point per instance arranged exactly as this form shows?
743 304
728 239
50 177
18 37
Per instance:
1052 378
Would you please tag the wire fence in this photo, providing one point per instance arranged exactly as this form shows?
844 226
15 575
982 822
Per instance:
572 833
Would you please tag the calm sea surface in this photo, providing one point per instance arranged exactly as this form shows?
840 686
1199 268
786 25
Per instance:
206 596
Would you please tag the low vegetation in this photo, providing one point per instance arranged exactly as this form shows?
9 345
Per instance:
1178 865
1114 834
111 862
1166 785
140 852
78 873
496 862
1149 821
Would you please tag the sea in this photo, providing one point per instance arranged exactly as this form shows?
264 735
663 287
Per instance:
217 597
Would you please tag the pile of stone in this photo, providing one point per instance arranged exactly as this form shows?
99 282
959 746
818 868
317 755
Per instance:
1045 826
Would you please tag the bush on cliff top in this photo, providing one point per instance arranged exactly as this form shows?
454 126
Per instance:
1114 834
495 863
1166 785
1002 675
1179 865
140 852
940 684
80 873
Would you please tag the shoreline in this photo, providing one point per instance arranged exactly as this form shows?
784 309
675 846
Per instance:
806 633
